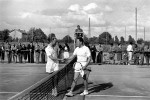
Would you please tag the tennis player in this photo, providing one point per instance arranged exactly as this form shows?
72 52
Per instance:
52 64
83 58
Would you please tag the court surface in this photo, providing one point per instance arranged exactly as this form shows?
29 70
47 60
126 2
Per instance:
106 82
15 78
117 82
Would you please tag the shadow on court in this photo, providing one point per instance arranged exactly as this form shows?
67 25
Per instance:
100 87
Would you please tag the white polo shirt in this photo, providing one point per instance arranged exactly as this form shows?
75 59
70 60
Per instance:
82 53
129 48
51 65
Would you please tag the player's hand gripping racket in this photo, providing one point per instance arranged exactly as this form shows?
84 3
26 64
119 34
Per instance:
78 68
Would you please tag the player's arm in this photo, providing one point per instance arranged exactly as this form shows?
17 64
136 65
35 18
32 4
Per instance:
51 57
73 55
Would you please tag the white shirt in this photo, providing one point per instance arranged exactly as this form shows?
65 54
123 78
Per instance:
129 48
51 65
82 53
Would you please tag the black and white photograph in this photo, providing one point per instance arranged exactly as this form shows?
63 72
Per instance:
74 49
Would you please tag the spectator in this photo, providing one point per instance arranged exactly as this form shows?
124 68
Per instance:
112 54
24 52
29 53
9 53
142 53
146 54
2 53
14 53
37 52
43 53
130 52
93 53
61 50
119 56
136 54
100 54
19 52
32 52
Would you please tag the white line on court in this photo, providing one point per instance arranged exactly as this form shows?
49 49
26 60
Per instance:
8 92
118 96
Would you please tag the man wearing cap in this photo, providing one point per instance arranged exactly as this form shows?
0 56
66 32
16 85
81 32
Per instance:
78 32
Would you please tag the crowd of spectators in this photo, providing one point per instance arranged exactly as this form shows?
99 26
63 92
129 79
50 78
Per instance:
28 52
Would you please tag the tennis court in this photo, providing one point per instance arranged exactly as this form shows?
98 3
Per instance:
15 78
117 82
106 82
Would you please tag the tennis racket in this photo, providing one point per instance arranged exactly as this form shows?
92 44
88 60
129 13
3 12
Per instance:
77 66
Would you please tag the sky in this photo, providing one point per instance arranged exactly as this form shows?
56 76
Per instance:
62 16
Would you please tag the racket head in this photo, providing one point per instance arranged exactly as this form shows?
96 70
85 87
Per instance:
77 66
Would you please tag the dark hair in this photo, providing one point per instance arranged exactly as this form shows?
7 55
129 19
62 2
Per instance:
81 40
52 38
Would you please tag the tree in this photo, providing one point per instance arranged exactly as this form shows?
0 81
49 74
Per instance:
122 41
30 34
4 35
36 35
86 40
112 41
67 39
39 36
105 38
93 40
116 40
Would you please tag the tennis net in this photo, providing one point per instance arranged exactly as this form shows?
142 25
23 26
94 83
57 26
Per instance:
42 90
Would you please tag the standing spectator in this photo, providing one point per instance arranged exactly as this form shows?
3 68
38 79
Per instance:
130 52
37 52
19 52
142 54
32 52
7 50
61 50
2 53
9 53
43 53
146 54
29 53
66 51
14 53
136 54
93 53
119 53
100 54
24 52
112 54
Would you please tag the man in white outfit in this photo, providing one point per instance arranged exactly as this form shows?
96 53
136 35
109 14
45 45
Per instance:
83 57
130 51
52 64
